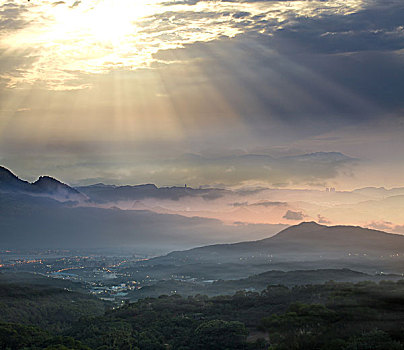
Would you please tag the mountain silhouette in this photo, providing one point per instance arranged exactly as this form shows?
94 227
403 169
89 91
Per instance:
108 193
11 182
45 186
305 241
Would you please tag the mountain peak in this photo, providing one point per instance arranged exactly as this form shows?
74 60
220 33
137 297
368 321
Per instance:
4 170
305 229
47 180
50 184
45 186
310 224
9 181
6 174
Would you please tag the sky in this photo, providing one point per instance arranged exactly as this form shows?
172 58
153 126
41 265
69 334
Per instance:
232 93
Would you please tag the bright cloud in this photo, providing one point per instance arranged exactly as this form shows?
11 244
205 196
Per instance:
62 40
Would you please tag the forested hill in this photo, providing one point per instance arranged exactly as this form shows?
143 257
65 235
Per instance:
51 308
331 316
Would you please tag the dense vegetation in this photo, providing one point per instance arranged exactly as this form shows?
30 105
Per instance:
53 309
346 316
254 283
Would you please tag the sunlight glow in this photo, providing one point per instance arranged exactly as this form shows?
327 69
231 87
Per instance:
65 40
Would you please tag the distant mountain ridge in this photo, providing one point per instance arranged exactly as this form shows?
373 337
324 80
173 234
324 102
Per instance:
11 182
45 212
100 193
111 193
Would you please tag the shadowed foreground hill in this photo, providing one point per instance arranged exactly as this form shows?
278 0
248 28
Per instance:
331 316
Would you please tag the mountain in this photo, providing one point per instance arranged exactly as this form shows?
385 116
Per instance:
33 221
51 187
307 241
11 183
45 186
108 193
99 193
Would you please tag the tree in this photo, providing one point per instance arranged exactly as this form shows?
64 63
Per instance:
220 335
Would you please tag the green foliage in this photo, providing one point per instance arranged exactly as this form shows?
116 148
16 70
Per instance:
220 335
54 309
17 337
301 324
374 340
332 316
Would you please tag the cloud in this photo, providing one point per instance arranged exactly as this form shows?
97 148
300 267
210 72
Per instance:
238 73
270 204
399 229
167 169
241 14
76 3
155 29
239 204
262 168
322 220
381 225
12 17
263 203
294 215
290 71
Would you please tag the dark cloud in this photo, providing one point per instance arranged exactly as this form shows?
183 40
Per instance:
241 14
11 17
248 192
310 74
239 204
270 204
75 4
294 215
275 94
266 204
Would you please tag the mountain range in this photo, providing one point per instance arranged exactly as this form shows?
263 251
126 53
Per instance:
45 186
48 213
306 244
48 186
